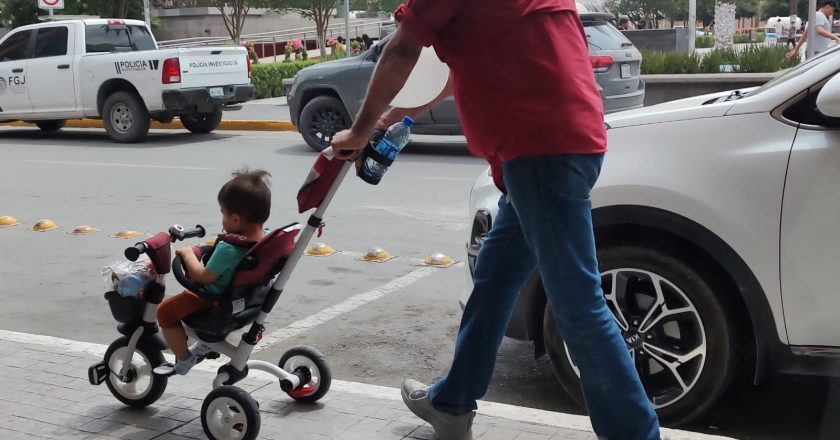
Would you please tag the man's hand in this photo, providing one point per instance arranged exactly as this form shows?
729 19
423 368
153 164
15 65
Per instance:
792 53
347 144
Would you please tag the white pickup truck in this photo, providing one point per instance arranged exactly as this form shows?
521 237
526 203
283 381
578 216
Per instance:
113 70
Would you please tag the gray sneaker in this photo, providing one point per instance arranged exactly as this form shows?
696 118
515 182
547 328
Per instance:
447 426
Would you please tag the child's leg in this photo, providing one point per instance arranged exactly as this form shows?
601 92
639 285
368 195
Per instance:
170 314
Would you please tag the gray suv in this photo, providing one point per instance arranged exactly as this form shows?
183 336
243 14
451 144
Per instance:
324 96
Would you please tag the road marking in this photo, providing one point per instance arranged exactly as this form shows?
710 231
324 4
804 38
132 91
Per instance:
490 409
344 307
115 164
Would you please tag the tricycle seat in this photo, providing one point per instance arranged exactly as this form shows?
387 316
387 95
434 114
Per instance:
240 303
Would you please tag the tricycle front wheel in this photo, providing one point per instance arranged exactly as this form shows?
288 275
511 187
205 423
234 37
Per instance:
138 387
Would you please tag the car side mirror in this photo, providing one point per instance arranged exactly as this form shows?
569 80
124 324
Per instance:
828 100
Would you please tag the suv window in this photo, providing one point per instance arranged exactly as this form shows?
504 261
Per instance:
51 42
110 38
16 47
604 36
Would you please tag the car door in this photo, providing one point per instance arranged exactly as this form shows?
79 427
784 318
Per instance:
810 229
14 91
51 71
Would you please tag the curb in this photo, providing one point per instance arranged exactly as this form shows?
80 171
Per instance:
244 125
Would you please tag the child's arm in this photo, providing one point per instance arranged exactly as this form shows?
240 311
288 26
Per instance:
196 271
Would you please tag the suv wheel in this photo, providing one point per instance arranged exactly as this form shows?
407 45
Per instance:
321 119
679 334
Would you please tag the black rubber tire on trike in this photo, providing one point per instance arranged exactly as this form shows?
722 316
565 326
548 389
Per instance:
203 123
315 364
230 410
151 357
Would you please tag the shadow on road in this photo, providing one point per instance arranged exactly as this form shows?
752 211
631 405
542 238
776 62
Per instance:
99 139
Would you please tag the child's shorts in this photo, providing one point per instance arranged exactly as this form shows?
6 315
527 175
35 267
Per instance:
173 310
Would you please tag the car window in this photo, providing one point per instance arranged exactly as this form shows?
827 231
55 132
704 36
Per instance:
109 38
604 36
51 42
16 47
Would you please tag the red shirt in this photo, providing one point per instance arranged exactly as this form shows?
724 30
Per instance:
522 78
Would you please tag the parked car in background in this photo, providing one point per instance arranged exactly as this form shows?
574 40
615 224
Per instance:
325 97
701 241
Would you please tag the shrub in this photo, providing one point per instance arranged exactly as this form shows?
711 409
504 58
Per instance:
751 59
760 37
268 78
742 38
704 42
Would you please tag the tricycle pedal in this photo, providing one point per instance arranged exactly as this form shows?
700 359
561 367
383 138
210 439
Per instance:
98 373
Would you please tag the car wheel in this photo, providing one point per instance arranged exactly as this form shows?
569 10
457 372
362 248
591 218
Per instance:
321 119
202 123
51 126
126 118
680 335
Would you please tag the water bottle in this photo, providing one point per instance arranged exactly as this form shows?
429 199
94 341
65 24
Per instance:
395 139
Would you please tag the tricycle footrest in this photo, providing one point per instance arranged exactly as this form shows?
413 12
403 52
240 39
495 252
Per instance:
98 373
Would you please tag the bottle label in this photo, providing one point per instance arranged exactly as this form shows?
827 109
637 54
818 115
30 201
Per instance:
387 148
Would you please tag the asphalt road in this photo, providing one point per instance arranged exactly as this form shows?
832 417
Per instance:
406 321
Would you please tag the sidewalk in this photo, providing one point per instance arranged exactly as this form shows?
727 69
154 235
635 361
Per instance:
271 109
44 393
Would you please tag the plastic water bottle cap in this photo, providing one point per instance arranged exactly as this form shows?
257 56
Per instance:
407 121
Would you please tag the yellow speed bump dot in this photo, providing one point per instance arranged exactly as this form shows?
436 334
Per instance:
126 234
377 255
84 230
44 225
7 220
320 250
438 259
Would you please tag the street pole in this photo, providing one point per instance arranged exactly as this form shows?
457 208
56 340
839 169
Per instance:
347 28
147 12
812 29
690 27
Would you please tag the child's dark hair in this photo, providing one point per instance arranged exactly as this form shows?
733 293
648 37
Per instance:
248 195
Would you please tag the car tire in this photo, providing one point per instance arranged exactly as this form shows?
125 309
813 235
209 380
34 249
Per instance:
203 123
51 126
706 319
321 119
126 118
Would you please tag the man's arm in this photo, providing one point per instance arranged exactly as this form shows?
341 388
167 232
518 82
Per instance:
821 31
392 70
798 45
395 114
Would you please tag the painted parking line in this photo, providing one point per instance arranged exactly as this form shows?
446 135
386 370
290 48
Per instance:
491 409
344 307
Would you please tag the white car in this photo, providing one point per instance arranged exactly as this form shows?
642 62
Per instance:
113 69
717 220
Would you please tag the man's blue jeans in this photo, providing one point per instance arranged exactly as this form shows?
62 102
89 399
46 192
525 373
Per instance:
548 225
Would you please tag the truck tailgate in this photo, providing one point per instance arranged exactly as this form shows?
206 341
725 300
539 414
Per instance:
213 66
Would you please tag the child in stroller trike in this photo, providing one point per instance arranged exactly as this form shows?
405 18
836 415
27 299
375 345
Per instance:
218 304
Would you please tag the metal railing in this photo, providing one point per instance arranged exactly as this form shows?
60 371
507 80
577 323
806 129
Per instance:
273 38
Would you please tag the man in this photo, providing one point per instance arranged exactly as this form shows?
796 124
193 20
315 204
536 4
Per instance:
823 36
528 101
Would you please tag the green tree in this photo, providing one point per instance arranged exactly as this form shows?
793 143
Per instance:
16 13
234 13
319 11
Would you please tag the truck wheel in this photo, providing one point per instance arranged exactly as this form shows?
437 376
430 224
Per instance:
321 119
126 118
50 126
201 123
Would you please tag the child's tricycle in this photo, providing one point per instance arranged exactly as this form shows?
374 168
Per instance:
228 412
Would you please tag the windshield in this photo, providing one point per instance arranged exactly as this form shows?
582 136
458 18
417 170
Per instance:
798 70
